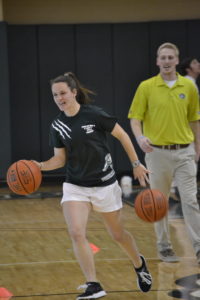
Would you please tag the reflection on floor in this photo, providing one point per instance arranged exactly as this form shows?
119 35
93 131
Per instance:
36 195
175 210
190 288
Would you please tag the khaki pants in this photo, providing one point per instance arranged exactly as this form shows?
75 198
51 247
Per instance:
180 164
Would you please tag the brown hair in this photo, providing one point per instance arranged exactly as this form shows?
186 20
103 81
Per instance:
169 46
185 64
71 80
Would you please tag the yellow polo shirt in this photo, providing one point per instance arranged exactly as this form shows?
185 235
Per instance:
166 112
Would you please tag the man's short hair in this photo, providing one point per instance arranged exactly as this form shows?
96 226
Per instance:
185 64
169 46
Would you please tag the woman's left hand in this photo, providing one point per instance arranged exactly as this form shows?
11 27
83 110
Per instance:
141 174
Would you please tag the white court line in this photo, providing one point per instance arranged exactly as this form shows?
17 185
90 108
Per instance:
59 261
75 261
33 222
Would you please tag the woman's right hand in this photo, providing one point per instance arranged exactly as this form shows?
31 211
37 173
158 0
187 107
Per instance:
39 164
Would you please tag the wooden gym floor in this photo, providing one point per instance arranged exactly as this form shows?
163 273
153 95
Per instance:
37 261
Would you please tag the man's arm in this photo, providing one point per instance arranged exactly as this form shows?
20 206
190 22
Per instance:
143 141
196 131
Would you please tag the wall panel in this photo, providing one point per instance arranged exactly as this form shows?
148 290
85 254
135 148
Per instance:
56 55
24 104
111 59
95 65
193 40
131 66
94 61
161 32
5 133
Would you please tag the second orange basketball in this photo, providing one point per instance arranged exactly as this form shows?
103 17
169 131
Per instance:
151 205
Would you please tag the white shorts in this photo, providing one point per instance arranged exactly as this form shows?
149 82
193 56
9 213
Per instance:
103 199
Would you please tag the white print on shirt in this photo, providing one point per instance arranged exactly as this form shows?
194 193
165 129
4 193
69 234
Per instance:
88 128
108 176
61 128
108 162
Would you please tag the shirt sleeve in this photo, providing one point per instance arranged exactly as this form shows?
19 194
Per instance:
54 138
139 104
194 107
106 121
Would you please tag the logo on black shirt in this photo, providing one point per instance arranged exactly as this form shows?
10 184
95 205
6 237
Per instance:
108 162
88 128
108 165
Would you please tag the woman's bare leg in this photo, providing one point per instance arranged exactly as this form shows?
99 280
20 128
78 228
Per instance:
121 236
76 216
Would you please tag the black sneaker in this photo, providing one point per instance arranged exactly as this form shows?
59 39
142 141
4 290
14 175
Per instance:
93 290
144 279
198 257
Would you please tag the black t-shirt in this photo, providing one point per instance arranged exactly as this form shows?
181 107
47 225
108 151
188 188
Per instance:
85 138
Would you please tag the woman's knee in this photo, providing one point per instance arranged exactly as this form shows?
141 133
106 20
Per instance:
77 234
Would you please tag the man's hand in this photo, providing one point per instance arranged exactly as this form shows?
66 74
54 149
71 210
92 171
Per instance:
197 150
144 144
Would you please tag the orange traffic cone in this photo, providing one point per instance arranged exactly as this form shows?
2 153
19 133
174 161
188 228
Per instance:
94 248
5 294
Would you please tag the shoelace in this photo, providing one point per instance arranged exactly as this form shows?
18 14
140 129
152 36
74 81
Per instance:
145 277
83 286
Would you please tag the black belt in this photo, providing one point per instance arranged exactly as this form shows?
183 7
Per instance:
172 147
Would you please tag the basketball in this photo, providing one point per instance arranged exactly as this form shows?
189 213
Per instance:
151 205
24 177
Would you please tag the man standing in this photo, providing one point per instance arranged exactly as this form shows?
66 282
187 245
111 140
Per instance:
190 68
164 119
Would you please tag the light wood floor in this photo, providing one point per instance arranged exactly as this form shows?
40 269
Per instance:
37 262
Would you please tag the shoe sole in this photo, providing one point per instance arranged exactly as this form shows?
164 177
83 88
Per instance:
169 260
95 296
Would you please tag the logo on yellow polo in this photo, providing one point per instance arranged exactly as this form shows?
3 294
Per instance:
182 96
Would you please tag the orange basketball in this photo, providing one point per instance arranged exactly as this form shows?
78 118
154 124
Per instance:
24 177
151 205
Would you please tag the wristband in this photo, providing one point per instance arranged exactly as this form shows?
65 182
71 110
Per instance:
140 137
135 163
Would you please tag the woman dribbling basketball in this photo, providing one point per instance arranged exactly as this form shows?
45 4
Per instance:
79 137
